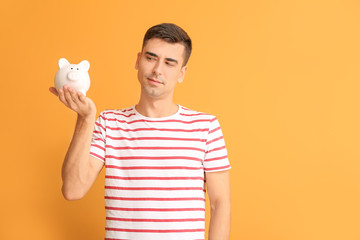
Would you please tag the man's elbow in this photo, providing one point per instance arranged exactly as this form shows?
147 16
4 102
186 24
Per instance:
223 206
71 195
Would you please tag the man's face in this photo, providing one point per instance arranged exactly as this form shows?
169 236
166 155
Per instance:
160 68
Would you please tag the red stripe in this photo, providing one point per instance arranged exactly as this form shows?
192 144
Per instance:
120 114
158 129
98 139
154 199
154 158
98 146
216 149
215 139
217 168
155 209
155 121
99 125
154 230
155 178
194 114
96 155
156 148
156 220
185 108
155 168
154 188
214 159
127 110
214 119
214 130
157 138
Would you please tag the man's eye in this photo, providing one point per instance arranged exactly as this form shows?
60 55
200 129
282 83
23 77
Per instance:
149 58
169 64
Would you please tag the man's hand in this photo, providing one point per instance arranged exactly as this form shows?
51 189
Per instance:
76 101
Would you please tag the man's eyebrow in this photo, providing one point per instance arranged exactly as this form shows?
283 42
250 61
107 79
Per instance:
168 59
172 60
151 54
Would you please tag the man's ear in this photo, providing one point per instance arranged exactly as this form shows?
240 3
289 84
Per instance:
182 74
138 61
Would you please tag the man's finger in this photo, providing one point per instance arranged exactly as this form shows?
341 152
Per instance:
54 91
62 97
68 98
74 96
81 97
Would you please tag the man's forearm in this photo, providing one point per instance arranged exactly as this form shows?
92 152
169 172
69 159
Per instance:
220 222
76 163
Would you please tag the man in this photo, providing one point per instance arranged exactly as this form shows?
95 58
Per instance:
157 154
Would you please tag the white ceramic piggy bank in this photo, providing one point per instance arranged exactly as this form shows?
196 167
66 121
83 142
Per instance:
73 75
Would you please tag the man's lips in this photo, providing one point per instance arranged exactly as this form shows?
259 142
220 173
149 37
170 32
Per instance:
155 81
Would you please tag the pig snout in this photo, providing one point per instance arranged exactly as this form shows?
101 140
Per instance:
74 76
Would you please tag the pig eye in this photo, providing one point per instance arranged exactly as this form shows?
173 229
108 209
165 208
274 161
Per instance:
77 68
71 68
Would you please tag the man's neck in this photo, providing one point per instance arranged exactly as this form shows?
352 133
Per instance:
156 108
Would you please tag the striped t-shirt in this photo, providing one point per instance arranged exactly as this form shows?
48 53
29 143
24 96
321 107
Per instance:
154 180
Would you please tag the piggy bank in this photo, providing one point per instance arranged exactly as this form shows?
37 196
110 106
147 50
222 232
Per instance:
73 75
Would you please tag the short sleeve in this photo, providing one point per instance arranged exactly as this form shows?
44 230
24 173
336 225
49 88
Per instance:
216 158
98 141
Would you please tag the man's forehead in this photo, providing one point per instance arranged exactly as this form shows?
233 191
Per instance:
163 48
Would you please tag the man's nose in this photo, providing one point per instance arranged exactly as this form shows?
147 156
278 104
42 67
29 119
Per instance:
157 69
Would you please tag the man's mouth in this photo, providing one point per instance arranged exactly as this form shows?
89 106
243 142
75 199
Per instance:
155 81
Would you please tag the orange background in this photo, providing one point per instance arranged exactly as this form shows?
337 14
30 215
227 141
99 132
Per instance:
282 76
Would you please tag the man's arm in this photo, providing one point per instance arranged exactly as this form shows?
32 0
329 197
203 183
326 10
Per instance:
218 188
79 170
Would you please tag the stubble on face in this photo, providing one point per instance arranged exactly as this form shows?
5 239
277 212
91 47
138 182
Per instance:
152 92
151 84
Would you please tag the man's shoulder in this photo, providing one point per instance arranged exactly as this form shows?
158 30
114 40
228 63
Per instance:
187 112
117 113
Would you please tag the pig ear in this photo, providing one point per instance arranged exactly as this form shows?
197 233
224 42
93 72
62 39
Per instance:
63 62
85 64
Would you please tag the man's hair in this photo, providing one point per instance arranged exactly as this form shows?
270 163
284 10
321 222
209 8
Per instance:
170 33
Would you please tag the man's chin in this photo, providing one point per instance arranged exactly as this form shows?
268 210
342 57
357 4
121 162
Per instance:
152 92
